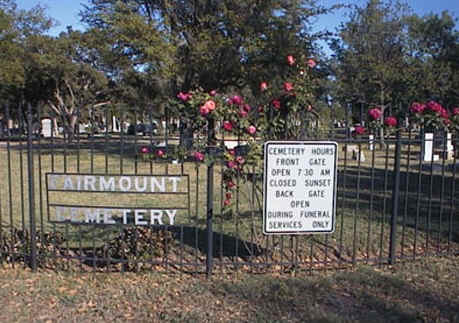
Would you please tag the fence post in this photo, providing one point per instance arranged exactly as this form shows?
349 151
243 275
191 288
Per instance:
395 198
210 198
33 245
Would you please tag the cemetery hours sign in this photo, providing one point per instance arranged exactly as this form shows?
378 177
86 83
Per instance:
299 187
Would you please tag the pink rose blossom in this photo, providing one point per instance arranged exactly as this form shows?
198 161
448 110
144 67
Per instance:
390 121
210 104
434 106
446 122
375 113
243 113
247 107
237 100
240 160
251 130
232 152
160 153
227 125
417 108
204 110
230 184
144 150
199 156
227 202
311 63
276 103
261 109
231 164
213 93
184 96
444 113
455 111
263 86
288 86
290 60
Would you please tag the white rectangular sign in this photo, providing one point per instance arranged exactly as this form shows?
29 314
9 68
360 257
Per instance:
299 187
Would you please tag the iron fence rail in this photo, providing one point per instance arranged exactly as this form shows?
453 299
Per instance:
391 204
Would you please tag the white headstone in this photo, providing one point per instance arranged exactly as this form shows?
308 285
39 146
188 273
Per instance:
82 128
449 142
115 125
427 147
371 142
46 128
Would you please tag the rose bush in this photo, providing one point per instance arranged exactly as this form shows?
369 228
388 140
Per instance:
280 111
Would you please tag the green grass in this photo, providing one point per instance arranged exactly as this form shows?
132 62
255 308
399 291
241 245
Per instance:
422 291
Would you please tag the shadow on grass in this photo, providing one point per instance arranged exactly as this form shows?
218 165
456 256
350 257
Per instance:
224 245
427 201
365 295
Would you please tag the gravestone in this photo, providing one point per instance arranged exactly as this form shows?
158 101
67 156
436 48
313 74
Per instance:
427 147
115 125
82 128
449 146
371 142
46 127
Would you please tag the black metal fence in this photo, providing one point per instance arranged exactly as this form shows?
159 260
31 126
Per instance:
391 203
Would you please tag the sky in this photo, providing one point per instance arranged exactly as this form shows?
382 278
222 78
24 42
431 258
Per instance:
66 11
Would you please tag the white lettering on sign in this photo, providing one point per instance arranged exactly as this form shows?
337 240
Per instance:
299 187
115 215
63 185
91 183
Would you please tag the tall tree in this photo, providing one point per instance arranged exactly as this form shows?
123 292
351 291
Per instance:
434 48
207 43
60 73
370 55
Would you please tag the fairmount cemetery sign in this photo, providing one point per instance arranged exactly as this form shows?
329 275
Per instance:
299 187
117 199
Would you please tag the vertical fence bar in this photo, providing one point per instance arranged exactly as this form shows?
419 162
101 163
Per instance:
395 199
210 200
33 249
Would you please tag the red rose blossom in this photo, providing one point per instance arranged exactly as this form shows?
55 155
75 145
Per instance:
160 153
434 106
276 103
417 108
227 125
390 121
359 130
375 113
